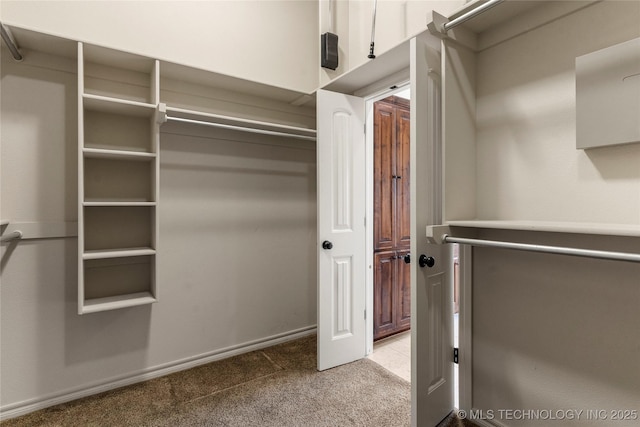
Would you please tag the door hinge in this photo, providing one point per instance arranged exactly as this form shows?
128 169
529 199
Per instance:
455 355
365 315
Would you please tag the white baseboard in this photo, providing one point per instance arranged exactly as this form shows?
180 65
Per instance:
21 408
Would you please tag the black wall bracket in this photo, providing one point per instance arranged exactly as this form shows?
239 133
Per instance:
329 51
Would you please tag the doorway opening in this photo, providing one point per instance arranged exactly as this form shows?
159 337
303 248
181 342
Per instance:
391 217
390 272
389 348
391 233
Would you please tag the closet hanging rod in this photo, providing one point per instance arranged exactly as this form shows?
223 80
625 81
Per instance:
588 253
14 235
242 128
470 14
11 43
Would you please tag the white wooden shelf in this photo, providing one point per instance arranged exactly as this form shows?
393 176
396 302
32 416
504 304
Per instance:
133 203
101 153
120 301
118 106
630 230
118 253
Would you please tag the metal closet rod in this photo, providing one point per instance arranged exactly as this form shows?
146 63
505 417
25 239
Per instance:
588 253
242 128
11 43
470 14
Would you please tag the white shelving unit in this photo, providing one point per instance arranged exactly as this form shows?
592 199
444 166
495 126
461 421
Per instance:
465 203
118 170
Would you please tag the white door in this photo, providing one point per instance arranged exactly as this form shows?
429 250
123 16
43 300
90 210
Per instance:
431 279
341 229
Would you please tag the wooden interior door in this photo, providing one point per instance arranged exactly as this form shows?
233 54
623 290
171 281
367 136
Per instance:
341 229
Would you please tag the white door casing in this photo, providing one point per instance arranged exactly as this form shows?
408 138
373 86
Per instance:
431 287
341 221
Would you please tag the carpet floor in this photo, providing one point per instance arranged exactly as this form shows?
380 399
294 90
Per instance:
276 386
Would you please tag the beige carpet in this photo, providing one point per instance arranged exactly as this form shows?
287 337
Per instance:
277 386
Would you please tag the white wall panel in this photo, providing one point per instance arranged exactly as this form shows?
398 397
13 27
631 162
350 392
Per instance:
528 165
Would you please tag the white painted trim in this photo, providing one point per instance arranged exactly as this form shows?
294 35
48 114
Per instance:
465 329
21 408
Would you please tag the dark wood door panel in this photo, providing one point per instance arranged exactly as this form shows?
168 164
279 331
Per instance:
384 294
383 170
403 293
402 235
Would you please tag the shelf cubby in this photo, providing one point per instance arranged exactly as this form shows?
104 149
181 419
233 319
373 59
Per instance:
117 131
117 74
118 282
118 227
109 179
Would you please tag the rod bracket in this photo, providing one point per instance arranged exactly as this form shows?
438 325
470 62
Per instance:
161 113
436 233
436 26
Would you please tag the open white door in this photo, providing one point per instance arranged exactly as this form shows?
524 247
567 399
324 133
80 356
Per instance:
341 229
431 268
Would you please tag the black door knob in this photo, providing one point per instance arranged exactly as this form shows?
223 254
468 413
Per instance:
426 261
327 245
407 259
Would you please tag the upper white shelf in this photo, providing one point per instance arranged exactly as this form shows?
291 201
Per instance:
118 106
118 253
630 230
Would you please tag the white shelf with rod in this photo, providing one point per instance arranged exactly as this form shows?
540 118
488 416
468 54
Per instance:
453 232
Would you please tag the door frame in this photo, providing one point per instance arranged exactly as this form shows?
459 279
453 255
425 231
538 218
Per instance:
378 85
369 100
